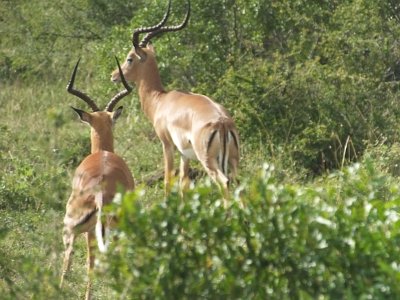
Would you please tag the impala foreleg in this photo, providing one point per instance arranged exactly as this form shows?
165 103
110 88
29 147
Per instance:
168 151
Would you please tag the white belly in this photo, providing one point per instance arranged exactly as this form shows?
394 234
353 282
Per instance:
181 139
188 153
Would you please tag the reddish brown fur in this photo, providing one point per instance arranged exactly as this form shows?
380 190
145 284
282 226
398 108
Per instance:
98 177
183 120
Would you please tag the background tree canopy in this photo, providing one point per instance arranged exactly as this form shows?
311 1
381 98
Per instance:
316 78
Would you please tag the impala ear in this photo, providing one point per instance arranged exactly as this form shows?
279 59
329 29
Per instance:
83 115
116 114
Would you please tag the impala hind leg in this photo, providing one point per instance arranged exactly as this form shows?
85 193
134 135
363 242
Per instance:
69 239
222 181
233 162
91 245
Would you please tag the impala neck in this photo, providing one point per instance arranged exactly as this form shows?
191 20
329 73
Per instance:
150 88
101 142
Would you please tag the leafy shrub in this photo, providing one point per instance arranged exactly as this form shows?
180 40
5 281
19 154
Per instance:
29 260
335 239
23 186
16 178
29 179
386 157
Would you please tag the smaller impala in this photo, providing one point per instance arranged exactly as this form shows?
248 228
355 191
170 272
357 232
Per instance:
96 180
199 127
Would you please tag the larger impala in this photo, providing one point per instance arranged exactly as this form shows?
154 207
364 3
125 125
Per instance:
199 127
95 181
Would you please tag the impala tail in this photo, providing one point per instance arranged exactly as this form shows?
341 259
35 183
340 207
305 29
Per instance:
100 231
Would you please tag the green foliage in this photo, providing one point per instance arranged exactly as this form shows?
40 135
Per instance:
312 86
30 256
386 157
15 186
40 38
301 75
335 239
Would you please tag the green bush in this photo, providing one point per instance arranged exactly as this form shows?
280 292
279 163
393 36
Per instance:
30 178
29 256
336 239
17 177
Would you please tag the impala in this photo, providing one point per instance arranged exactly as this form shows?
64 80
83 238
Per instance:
96 179
194 124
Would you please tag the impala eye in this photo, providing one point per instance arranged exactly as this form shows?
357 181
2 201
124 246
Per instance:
129 60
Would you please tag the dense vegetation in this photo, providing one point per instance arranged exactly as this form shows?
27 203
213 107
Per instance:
314 89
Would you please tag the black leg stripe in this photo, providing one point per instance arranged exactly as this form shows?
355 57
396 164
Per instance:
235 139
211 140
